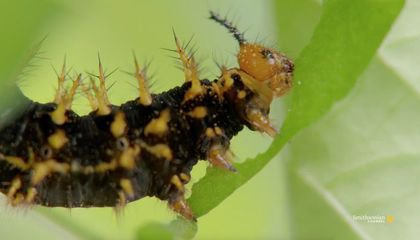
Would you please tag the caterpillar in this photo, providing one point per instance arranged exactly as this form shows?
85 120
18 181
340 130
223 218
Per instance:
51 156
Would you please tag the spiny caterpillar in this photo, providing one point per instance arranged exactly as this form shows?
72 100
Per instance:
146 147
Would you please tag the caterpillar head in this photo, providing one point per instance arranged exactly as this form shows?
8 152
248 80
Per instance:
263 73
264 64
268 66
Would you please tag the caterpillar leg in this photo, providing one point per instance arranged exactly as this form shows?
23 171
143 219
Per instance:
220 156
177 200
18 193
179 205
215 145
260 121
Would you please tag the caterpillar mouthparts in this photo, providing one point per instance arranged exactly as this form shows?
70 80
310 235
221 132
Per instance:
148 146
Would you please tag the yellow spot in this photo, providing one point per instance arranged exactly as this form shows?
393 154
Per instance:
30 196
390 219
119 125
128 157
177 183
58 116
241 94
198 112
210 132
58 139
159 150
218 131
227 80
159 126
216 89
17 162
185 177
58 167
127 187
265 94
42 169
75 166
88 170
106 166
16 185
193 91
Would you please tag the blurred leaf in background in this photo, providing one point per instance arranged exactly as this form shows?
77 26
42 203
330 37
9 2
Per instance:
21 21
362 157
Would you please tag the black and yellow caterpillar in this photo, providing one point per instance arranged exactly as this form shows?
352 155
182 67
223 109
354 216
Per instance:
146 147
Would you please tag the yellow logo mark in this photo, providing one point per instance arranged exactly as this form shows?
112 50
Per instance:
390 219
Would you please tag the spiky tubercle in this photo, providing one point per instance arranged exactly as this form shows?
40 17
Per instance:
87 168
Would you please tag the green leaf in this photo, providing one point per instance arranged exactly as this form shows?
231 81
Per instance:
362 158
153 231
343 44
177 229
296 21
183 229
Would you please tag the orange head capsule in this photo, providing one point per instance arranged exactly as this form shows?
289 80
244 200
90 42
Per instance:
263 64
266 65
263 73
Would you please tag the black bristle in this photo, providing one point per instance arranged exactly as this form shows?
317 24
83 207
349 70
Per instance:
239 36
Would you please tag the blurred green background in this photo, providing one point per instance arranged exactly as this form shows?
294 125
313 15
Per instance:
353 161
